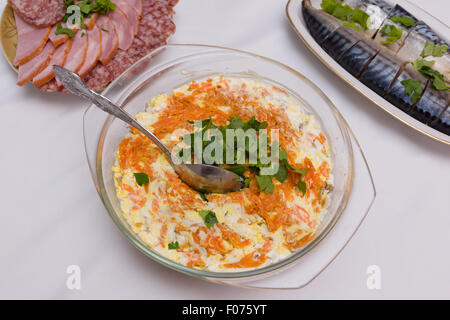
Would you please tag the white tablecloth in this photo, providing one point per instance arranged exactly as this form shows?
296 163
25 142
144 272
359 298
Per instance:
52 217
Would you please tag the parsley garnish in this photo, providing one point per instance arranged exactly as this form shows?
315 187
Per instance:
61 30
436 78
141 178
433 50
353 25
87 7
265 183
361 17
105 30
174 245
404 20
413 88
203 196
347 14
302 186
392 32
209 217
420 63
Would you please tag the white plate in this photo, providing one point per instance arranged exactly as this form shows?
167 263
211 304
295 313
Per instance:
294 14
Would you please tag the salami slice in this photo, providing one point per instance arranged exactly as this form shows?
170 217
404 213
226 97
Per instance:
39 13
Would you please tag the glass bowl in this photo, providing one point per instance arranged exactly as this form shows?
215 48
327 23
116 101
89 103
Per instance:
172 66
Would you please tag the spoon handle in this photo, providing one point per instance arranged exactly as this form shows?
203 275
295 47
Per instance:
75 85
107 106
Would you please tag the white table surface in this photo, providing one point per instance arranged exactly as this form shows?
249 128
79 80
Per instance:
52 216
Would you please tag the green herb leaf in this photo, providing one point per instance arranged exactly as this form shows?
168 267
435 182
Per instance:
420 63
343 12
255 124
174 245
413 88
436 77
103 6
209 217
104 30
392 32
141 178
361 17
433 50
302 186
302 172
353 25
203 196
247 182
265 183
404 20
282 173
337 9
329 5
61 30
236 123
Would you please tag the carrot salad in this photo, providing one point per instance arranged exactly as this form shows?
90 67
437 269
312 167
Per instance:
242 230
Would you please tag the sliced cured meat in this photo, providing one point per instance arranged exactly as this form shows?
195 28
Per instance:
156 24
163 7
98 78
130 12
30 41
59 39
154 29
62 38
137 5
124 32
110 40
28 70
119 63
93 52
58 58
77 54
50 86
90 22
39 13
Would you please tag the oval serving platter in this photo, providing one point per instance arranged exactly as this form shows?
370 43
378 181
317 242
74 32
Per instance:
8 33
294 14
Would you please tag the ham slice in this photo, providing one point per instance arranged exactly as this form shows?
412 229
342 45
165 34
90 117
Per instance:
124 32
110 40
62 38
90 22
130 12
30 41
77 54
93 52
137 5
28 70
58 58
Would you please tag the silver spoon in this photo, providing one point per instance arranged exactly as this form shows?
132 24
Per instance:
201 177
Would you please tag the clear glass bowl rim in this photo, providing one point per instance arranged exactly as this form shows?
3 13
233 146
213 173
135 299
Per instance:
98 180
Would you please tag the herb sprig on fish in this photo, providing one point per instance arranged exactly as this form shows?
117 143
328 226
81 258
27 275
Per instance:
352 17
404 20
391 32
